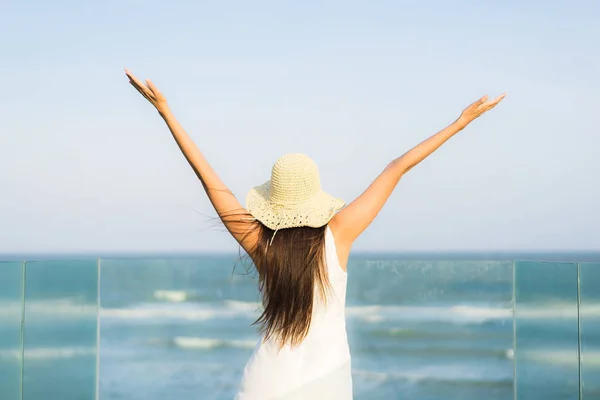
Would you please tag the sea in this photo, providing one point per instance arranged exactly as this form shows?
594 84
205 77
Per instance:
420 326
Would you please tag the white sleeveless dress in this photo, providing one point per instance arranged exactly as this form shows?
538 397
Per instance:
319 367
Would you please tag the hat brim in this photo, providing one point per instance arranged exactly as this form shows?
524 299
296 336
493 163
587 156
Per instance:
314 213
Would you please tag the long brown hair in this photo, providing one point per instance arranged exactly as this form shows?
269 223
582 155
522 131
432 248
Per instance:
289 265
289 262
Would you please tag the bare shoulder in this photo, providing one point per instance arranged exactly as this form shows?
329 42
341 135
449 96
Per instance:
342 246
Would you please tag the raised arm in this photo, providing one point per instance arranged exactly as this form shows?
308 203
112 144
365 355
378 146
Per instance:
351 221
229 209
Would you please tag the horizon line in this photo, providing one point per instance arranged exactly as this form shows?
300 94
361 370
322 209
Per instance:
424 255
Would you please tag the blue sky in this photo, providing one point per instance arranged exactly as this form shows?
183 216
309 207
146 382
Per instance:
87 164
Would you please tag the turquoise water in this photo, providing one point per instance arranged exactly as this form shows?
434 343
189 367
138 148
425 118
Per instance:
180 328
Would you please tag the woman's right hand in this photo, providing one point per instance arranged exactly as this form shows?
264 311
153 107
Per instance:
479 107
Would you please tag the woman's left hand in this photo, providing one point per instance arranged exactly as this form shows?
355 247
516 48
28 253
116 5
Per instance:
149 91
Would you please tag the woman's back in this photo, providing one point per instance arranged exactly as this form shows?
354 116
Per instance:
314 362
318 367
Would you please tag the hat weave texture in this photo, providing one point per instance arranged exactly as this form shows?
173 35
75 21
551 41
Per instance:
293 196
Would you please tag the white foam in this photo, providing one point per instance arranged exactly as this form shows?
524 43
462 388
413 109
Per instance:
50 308
183 310
371 314
157 313
557 310
198 343
177 308
456 314
378 377
482 313
561 357
10 354
472 313
175 296
372 318
45 353
446 373
243 305
10 310
510 354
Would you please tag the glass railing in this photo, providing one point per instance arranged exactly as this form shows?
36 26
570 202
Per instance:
431 329
181 328
546 330
11 309
589 329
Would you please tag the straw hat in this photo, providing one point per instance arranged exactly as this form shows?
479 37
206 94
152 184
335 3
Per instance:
293 197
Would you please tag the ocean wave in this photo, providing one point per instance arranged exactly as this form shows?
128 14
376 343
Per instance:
435 334
198 343
182 296
452 373
10 310
49 308
561 357
372 314
147 313
185 311
454 314
175 296
557 310
471 314
438 351
243 306
178 308
45 353
510 354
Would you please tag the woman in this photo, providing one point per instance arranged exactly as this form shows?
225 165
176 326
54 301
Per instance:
299 239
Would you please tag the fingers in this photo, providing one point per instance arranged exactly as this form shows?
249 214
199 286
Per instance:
499 99
139 86
484 100
494 103
133 79
151 86
488 105
496 100
142 91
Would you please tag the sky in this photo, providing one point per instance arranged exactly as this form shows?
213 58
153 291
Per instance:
87 165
